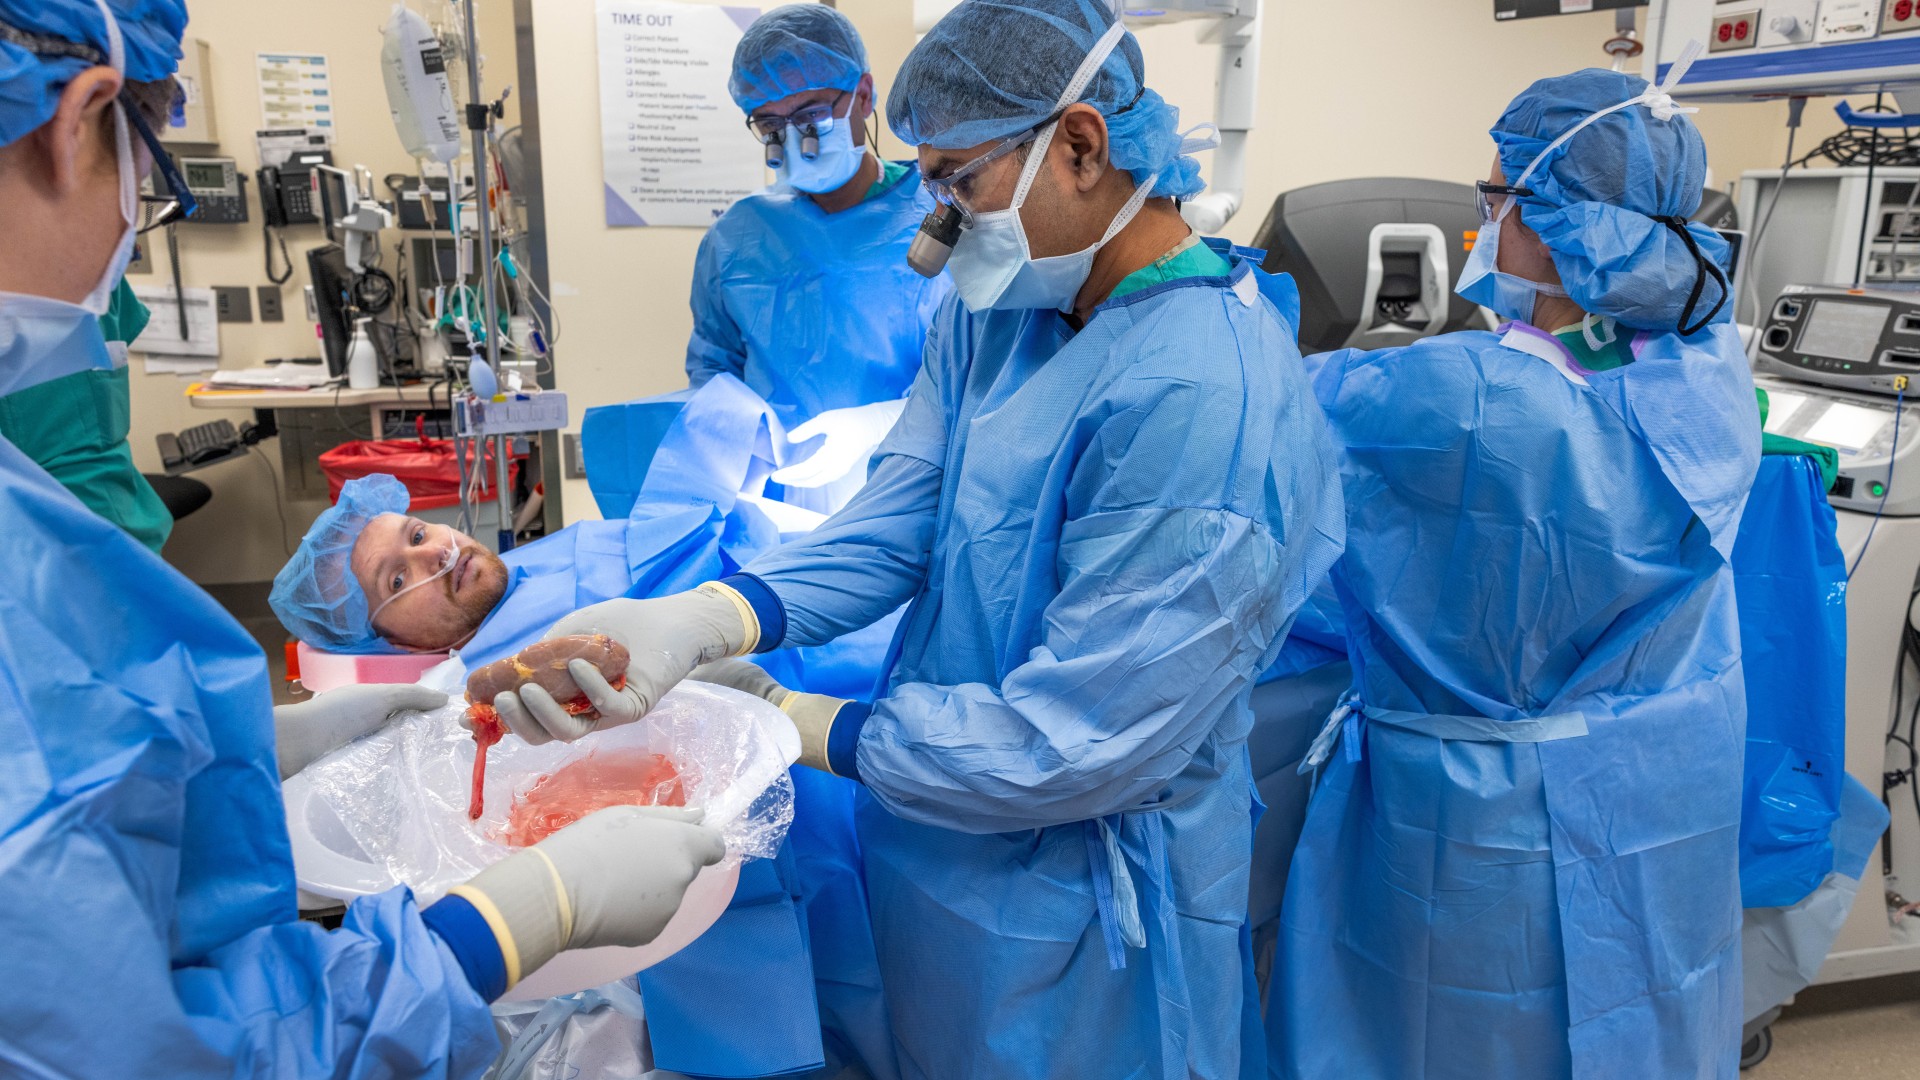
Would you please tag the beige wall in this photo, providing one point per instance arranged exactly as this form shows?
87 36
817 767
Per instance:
1414 98
237 537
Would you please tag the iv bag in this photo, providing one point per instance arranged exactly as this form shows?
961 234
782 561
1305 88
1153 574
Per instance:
421 98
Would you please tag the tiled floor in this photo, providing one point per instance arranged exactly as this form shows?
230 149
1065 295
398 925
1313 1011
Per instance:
1868 1029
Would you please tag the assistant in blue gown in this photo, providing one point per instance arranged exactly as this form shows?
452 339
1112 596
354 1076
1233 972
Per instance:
146 885
1521 859
813 310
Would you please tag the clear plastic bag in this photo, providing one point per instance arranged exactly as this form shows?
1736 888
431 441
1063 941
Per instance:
400 795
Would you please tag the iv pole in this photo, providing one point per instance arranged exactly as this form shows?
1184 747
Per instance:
479 119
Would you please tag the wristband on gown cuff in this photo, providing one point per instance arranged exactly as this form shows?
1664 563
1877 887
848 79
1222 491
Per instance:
843 738
472 942
767 608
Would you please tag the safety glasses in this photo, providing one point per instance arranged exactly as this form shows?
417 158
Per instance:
814 120
954 189
1493 197
161 210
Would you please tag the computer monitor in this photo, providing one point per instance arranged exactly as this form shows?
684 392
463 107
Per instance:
1533 9
327 270
1375 259
333 191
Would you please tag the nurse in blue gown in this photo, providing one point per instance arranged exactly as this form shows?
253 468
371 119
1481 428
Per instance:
1521 858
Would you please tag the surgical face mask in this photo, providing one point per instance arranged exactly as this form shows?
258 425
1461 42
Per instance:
994 270
449 557
1507 295
102 293
833 163
43 339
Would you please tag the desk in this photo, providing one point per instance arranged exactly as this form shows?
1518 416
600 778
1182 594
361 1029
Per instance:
422 394
311 422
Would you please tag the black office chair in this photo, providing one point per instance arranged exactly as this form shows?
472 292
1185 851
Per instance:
182 494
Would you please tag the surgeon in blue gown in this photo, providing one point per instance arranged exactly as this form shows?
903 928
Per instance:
1521 859
146 886
1108 495
802 291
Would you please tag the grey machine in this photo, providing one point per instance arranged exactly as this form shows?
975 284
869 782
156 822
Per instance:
1375 259
1842 367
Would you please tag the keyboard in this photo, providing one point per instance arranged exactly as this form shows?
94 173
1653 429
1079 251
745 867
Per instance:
198 445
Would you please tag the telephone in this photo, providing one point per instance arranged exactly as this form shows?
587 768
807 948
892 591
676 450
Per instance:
216 186
286 196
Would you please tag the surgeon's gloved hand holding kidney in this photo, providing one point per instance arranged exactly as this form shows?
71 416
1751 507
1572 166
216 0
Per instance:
851 436
665 637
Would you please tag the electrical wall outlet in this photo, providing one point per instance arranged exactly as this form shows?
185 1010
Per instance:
233 303
270 310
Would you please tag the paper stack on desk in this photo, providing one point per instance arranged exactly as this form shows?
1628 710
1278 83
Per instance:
275 377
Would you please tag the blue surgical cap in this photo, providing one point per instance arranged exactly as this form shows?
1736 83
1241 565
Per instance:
795 48
32 77
995 68
1595 199
316 595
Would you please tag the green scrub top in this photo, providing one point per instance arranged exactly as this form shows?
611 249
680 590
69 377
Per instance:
75 427
1190 258
1614 351
890 174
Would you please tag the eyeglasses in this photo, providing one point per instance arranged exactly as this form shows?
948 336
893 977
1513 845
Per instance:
955 188
161 210
1493 197
815 120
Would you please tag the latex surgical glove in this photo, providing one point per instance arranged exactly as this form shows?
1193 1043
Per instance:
851 437
307 730
615 877
812 714
742 675
665 638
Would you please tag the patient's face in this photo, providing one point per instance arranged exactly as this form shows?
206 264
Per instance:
395 552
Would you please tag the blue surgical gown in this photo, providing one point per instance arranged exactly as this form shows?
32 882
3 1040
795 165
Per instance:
1521 858
146 887
814 311
792 956
1104 536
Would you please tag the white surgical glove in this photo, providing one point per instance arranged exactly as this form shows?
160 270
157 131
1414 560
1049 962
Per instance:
812 714
307 730
852 435
615 877
665 638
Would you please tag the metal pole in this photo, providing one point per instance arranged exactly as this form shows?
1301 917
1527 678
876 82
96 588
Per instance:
502 451
460 458
478 119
